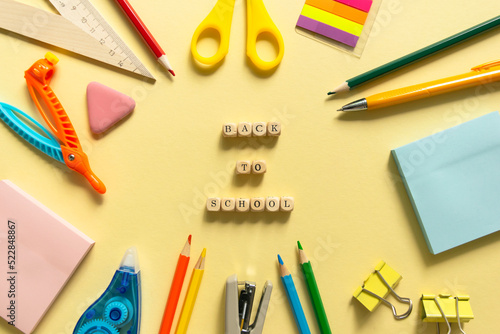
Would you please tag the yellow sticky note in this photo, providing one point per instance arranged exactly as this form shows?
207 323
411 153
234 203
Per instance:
332 20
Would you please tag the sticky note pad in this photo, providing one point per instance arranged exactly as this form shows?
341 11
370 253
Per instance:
453 181
39 252
339 9
339 21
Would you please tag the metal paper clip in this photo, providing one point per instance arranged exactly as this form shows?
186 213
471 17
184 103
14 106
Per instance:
239 309
379 287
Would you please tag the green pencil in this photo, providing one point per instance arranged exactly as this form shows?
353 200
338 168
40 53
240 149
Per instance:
312 287
417 55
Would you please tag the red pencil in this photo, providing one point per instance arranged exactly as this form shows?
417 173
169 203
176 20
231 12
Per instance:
175 289
146 35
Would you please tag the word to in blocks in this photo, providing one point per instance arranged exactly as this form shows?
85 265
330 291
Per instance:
246 129
256 204
247 167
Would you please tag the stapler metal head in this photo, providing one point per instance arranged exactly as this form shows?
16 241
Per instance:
239 306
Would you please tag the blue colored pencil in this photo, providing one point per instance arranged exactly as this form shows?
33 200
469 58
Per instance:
293 299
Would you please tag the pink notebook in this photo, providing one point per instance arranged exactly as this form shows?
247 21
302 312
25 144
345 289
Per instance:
39 252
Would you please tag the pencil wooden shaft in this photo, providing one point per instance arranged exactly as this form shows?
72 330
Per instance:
319 309
187 308
175 292
424 52
293 299
141 27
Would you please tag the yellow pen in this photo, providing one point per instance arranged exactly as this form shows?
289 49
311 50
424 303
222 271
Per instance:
479 75
192 293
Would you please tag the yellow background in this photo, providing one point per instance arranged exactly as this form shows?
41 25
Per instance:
160 164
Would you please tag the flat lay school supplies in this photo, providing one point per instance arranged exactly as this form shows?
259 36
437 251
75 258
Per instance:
312 287
417 55
145 34
192 294
176 288
106 107
258 22
293 298
118 310
79 29
445 308
239 309
66 148
451 174
39 254
378 286
479 75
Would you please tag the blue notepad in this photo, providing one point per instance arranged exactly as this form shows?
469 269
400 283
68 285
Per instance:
453 181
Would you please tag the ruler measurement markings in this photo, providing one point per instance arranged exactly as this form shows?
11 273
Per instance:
84 9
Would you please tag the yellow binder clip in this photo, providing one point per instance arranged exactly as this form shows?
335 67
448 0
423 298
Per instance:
445 308
378 286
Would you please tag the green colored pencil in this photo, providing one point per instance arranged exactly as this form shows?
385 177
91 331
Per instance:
417 55
312 287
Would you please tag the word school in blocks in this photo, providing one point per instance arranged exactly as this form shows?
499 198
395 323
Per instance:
247 129
256 204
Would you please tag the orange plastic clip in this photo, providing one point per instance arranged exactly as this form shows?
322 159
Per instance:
38 78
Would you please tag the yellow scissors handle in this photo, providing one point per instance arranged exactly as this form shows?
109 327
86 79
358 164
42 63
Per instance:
259 22
219 19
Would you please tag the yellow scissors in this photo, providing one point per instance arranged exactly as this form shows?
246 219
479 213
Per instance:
258 22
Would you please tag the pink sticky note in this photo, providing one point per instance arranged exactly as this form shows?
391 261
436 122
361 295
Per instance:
363 5
39 251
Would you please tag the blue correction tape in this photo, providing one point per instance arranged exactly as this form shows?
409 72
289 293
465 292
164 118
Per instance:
118 310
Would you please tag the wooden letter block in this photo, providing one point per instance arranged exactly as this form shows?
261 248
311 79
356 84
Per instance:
244 129
257 204
242 204
213 204
272 204
227 204
287 203
273 129
229 130
259 167
243 167
259 129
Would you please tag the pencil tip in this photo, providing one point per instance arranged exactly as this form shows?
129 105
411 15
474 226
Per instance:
204 252
280 260
189 239
172 72
331 93
340 109
300 246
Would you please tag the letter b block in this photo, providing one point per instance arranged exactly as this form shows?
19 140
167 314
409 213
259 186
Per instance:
229 130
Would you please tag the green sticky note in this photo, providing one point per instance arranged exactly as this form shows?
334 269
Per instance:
453 182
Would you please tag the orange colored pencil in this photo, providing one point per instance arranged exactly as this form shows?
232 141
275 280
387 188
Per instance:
175 289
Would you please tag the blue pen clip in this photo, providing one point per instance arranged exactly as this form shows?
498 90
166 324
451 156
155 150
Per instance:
48 145
118 310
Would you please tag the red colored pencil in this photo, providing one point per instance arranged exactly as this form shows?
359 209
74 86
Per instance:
175 289
146 35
